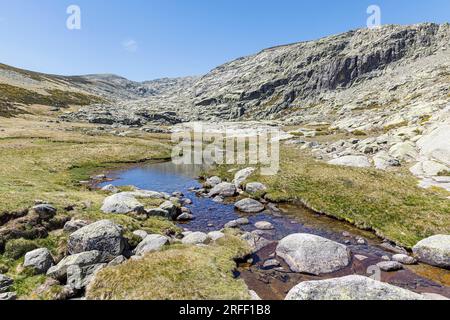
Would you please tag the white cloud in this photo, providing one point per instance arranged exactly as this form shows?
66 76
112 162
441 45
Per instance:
130 45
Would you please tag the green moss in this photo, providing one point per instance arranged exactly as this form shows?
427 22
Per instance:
177 273
17 248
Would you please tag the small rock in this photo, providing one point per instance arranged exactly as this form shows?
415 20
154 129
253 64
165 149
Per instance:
360 241
74 225
195 238
110 188
224 189
249 206
264 225
153 242
185 217
216 235
242 175
255 187
8 296
389 266
272 263
212 182
45 211
140 233
385 258
404 259
360 257
5 283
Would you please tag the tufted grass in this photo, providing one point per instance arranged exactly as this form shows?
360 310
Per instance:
177 273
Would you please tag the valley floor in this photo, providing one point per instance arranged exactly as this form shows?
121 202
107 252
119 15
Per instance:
45 161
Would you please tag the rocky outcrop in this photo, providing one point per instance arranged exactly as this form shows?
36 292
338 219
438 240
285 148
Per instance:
350 288
312 254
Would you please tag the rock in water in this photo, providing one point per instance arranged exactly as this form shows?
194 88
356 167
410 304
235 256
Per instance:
104 236
351 161
312 254
242 175
264 225
40 260
389 266
152 242
404 259
434 250
122 203
352 287
249 206
224 189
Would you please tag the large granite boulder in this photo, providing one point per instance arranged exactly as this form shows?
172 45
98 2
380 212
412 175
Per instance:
352 287
434 250
104 236
312 254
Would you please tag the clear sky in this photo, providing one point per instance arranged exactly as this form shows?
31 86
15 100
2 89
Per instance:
148 39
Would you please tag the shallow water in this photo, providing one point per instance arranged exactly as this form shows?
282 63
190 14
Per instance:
274 284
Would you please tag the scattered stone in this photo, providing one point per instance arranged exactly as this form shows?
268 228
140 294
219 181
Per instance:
140 233
74 225
249 206
242 175
5 283
389 266
255 241
218 199
360 241
187 201
171 208
122 203
352 287
117 261
434 250
312 254
157 212
224 189
110 188
40 260
360 257
185 217
216 235
272 263
404 259
264 225
45 211
59 272
195 238
8 296
153 242
385 258
254 296
255 187
388 246
212 182
104 236
231 224
346 234
351 161
79 278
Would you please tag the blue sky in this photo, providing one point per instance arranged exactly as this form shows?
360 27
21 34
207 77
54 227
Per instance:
148 39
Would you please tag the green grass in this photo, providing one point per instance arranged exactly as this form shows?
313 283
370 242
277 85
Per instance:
391 204
177 273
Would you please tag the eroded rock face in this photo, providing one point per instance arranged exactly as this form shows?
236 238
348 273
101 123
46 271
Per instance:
312 254
104 236
40 260
434 250
352 287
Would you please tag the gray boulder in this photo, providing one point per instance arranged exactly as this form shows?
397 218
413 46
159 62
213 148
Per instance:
216 235
351 161
84 259
352 287
45 211
171 208
213 181
242 175
249 206
195 238
73 225
5 283
104 236
224 189
40 260
79 278
312 254
153 242
8 296
434 250
264 225
255 187
122 203
404 259
389 266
